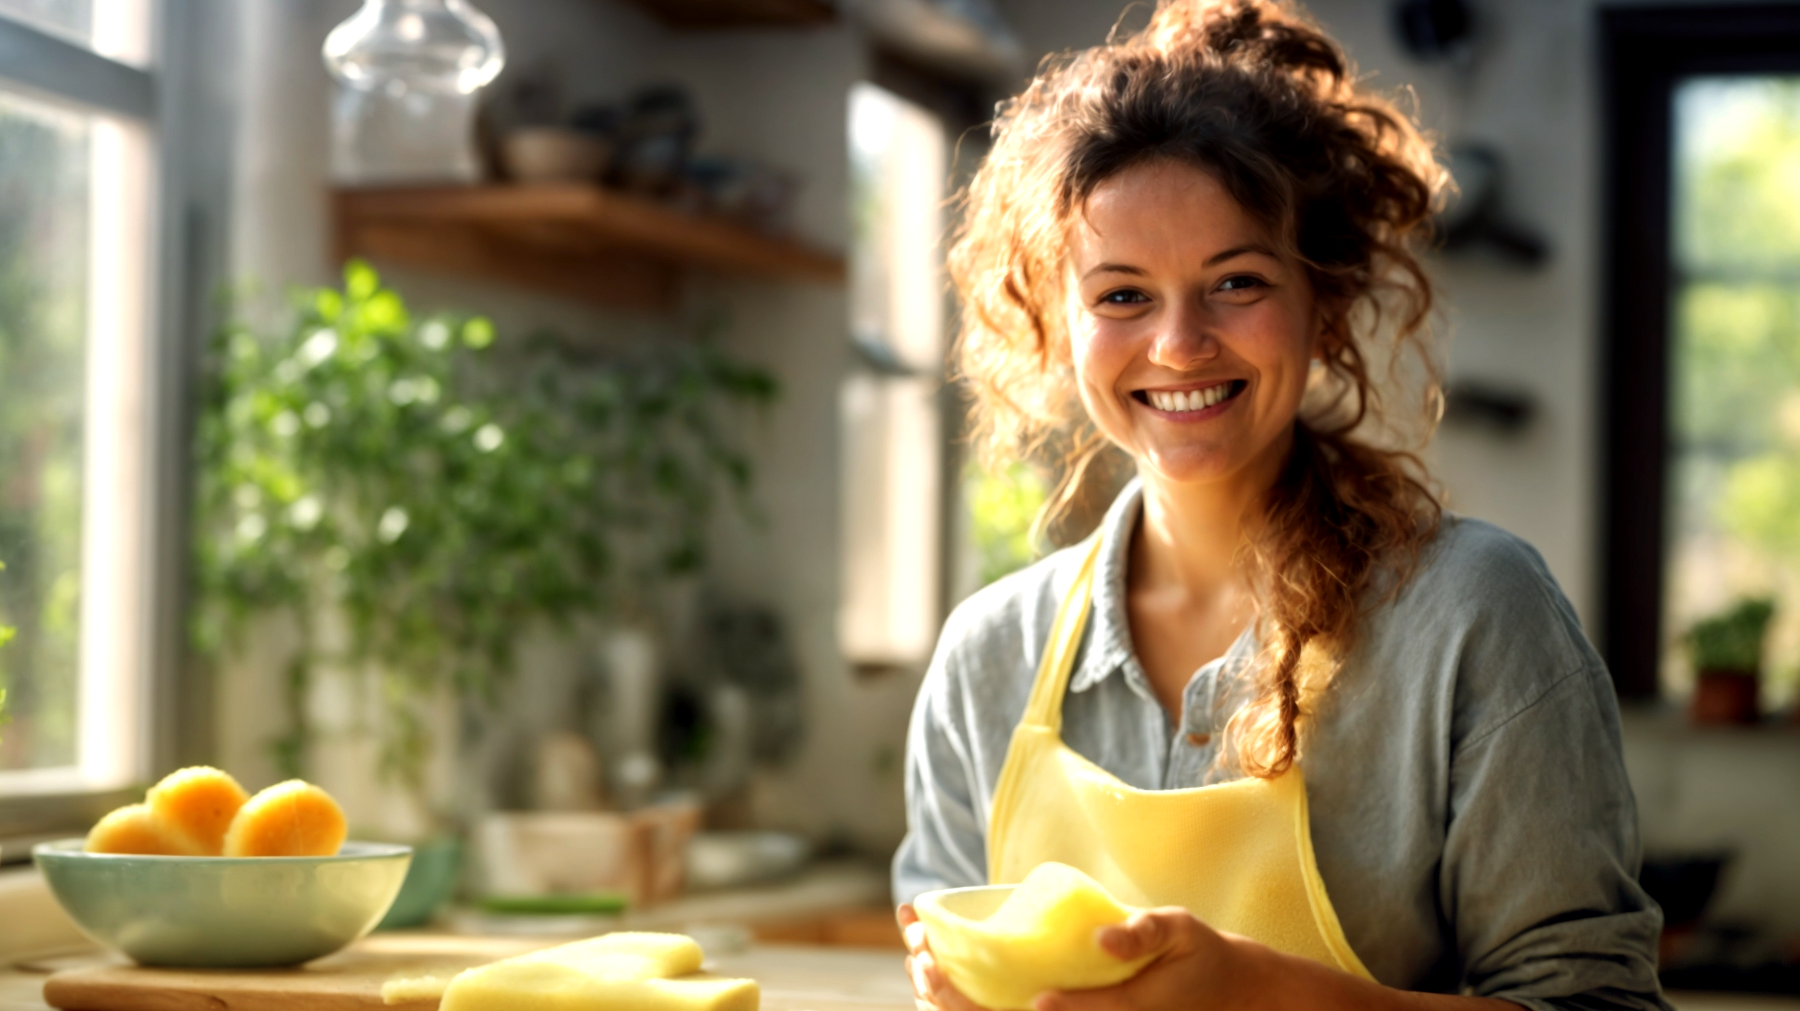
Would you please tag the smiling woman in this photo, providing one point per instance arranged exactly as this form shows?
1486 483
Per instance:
1323 732
1247 220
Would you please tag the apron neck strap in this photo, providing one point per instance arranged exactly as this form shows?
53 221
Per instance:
1045 707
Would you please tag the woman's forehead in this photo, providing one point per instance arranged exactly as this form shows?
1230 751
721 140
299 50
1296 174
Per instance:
1159 211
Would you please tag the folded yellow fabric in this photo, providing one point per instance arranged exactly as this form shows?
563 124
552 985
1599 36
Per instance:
1002 954
619 972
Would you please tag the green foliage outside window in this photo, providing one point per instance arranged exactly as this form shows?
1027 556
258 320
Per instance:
1003 509
44 194
442 497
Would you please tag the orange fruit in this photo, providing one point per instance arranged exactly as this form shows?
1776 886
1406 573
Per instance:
197 805
134 829
291 819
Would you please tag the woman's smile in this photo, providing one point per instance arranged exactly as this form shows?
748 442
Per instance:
1193 402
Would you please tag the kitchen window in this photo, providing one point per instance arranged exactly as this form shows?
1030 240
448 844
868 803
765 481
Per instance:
1701 357
77 436
1734 455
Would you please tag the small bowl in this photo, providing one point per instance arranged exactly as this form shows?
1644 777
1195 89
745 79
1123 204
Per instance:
1008 972
224 912
548 154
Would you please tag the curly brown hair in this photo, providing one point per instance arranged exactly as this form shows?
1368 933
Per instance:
1255 94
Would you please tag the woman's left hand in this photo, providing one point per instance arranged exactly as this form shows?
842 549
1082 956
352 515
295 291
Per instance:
1193 966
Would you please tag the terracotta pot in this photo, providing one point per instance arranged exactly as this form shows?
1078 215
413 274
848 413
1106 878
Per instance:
1725 697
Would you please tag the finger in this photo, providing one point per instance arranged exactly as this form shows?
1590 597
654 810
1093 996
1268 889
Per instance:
906 915
921 984
914 935
1147 934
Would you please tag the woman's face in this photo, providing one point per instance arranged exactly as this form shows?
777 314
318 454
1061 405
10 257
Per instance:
1191 335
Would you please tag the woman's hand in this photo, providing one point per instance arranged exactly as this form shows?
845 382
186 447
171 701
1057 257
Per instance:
1197 968
1192 966
932 990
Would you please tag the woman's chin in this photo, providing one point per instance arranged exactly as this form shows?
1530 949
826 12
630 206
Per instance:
1188 468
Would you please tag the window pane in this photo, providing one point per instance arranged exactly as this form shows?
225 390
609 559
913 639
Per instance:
1735 421
893 442
74 207
44 159
118 29
70 18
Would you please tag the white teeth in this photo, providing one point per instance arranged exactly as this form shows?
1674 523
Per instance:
1189 400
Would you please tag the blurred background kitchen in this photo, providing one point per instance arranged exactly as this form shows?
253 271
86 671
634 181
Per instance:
530 422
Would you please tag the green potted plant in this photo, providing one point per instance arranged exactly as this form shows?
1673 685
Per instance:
440 497
1726 652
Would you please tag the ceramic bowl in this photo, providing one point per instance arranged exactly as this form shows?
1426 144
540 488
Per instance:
1007 965
546 154
953 918
224 912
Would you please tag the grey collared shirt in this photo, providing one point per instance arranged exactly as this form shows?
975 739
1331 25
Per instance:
1470 812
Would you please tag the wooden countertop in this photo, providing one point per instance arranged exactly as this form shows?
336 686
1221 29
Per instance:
800 978
793 978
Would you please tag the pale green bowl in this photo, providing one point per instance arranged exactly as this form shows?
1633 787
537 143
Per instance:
224 912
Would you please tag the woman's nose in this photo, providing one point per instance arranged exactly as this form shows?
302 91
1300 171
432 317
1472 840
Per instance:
1185 340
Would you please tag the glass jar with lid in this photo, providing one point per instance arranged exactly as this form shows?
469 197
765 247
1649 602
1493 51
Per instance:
407 73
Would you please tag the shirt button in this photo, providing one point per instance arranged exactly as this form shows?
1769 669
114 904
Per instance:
1199 740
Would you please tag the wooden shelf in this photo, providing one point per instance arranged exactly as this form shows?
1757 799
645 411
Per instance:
572 239
738 13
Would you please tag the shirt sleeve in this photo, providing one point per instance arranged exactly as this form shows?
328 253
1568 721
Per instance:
1539 873
945 845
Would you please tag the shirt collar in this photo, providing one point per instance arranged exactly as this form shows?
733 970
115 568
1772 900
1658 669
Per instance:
1109 629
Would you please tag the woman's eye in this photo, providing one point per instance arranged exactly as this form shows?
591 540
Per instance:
1125 296
1242 282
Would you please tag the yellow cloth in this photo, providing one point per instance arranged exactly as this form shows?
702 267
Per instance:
619 972
1237 855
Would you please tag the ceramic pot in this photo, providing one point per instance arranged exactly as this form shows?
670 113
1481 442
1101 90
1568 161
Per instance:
547 154
1724 697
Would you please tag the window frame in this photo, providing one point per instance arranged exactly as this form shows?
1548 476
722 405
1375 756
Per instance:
964 105
1645 53
177 100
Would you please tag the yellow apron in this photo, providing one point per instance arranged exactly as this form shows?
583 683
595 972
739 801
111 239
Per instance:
1237 855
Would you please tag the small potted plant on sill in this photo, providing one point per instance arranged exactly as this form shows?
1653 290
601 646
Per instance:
394 473
1726 652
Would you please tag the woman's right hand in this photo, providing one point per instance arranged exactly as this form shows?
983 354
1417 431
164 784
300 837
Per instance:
932 990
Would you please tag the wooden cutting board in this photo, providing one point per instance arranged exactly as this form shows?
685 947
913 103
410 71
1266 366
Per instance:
792 979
